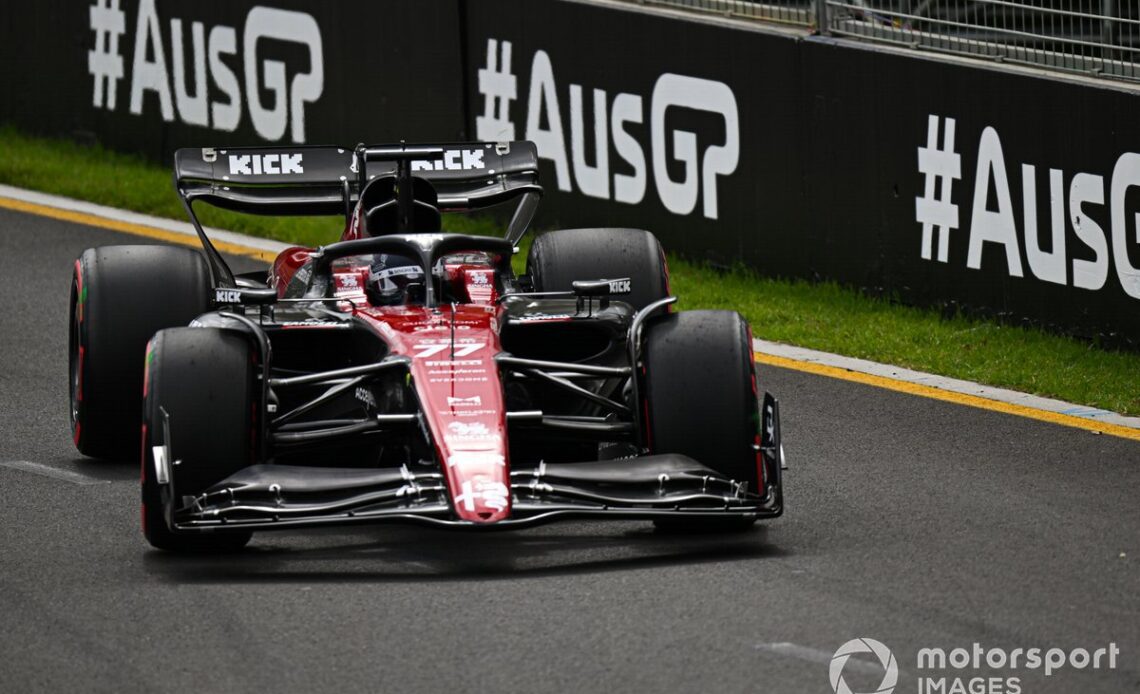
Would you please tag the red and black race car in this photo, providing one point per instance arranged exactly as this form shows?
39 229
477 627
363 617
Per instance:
402 374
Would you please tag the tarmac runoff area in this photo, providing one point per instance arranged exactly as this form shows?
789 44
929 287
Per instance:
914 525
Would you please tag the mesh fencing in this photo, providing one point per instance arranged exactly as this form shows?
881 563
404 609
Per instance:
786 11
1092 37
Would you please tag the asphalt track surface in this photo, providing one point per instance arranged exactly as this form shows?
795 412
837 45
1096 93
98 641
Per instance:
911 521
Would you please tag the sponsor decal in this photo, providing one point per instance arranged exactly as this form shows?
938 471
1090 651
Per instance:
227 296
474 429
479 458
619 286
492 494
269 164
537 317
464 433
365 396
313 323
702 165
396 271
455 372
473 401
466 413
1084 264
302 275
214 98
452 160
479 285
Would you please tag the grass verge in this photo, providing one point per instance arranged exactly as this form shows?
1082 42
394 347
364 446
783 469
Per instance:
819 316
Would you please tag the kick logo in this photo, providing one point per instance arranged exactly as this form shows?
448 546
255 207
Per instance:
257 164
452 160
215 99
227 296
703 164
620 286
864 645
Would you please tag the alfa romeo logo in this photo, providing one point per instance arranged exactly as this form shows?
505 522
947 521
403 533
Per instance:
886 659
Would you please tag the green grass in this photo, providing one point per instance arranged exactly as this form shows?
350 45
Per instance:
835 319
819 316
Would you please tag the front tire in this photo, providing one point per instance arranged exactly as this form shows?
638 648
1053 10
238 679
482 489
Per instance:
700 393
121 296
201 385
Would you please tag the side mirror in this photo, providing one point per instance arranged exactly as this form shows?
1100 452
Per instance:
601 288
588 290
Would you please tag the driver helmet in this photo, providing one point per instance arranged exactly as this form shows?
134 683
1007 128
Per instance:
390 276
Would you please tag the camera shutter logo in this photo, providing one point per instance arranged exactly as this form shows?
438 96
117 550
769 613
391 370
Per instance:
864 645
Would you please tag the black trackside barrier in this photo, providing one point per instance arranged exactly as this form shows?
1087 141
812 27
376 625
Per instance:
932 180
216 73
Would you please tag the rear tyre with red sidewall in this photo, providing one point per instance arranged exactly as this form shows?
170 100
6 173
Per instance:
121 296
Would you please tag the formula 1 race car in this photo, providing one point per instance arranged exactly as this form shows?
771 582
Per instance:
404 374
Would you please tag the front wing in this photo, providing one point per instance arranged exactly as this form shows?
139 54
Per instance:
264 497
268 497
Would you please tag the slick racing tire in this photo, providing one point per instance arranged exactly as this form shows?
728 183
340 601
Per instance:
700 400
559 258
120 296
200 387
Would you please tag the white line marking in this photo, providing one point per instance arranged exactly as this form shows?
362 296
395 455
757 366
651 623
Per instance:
954 385
49 471
814 655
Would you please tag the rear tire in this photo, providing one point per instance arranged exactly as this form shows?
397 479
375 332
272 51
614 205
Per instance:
700 392
204 380
120 296
558 258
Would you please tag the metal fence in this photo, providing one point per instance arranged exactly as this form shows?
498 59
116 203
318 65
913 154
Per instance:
1094 37
785 11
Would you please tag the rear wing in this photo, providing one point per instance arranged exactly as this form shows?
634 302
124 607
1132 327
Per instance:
328 180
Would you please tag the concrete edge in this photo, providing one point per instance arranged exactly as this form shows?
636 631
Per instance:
118 215
898 373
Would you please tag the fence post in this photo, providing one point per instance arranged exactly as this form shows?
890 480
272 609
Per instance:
821 25
1108 41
